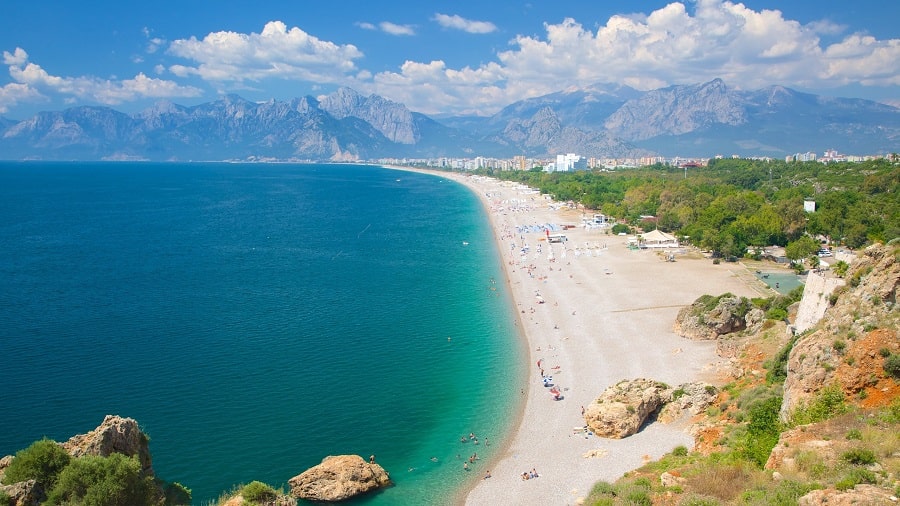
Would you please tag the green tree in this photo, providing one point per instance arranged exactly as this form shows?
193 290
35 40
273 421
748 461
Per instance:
801 248
116 480
43 461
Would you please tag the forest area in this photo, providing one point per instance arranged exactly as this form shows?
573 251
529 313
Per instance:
733 206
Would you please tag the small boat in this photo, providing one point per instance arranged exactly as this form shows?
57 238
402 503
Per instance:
465 243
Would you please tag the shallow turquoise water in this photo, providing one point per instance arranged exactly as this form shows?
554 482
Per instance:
257 318
781 281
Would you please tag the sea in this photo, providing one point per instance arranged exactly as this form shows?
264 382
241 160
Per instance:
256 318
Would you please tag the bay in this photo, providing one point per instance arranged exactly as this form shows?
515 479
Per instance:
255 318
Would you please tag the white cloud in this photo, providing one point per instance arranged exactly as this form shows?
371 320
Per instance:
388 28
15 93
17 57
276 52
395 29
467 25
671 45
31 77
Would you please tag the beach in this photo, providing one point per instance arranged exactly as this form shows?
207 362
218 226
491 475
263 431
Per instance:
593 312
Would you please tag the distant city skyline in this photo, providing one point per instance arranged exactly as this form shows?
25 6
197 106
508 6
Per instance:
460 57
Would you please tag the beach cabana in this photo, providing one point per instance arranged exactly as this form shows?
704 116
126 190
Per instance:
658 239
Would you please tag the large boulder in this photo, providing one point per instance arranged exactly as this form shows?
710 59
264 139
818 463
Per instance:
24 493
114 435
710 317
622 408
338 478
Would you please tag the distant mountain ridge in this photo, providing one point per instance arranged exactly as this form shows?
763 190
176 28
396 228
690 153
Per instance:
599 120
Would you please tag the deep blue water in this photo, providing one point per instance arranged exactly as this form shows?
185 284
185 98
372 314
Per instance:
256 318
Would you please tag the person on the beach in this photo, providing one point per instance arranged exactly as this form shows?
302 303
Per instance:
372 459
487 474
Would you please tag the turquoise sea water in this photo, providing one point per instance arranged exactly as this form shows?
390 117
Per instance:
257 318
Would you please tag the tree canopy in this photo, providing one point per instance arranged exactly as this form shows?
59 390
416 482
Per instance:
733 204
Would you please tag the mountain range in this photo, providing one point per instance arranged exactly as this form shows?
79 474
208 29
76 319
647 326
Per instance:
601 120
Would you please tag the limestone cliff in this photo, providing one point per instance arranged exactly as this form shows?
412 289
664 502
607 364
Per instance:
847 346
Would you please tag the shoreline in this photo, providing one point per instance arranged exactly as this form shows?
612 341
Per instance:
591 313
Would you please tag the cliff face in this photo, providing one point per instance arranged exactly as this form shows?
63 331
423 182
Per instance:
847 347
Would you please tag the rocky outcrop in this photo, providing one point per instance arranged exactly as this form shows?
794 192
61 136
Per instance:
338 478
710 317
24 493
621 410
865 307
114 435
860 494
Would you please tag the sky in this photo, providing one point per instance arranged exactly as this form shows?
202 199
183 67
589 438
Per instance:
461 57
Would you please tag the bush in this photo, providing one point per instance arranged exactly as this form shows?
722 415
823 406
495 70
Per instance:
177 494
859 457
854 434
892 365
776 313
777 373
43 461
856 476
680 451
257 492
763 430
828 403
785 493
102 481
5 499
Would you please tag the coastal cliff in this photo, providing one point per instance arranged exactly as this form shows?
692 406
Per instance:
808 418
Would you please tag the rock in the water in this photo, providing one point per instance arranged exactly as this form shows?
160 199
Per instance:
621 409
338 478
114 435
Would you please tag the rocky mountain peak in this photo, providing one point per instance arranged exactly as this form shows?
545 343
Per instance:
390 118
677 110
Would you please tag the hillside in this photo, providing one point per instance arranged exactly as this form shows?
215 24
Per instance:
806 419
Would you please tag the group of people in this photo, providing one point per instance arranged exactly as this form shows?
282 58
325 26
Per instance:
529 475
472 437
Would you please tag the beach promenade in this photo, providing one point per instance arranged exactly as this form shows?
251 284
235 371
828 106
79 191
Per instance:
592 312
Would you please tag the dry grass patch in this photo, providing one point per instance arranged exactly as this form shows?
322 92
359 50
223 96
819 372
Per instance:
722 481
